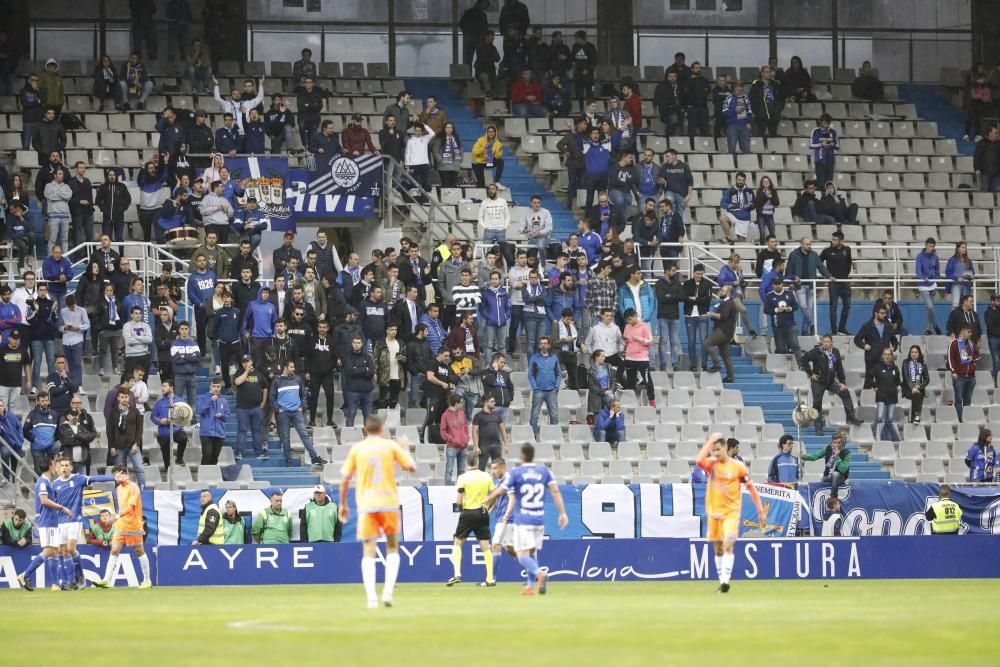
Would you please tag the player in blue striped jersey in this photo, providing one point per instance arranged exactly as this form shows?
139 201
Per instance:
68 489
503 533
47 515
528 482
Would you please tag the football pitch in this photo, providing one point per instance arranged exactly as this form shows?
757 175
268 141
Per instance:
615 624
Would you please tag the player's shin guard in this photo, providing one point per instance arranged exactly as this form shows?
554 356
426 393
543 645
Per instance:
368 576
144 565
391 572
488 557
77 567
727 568
718 567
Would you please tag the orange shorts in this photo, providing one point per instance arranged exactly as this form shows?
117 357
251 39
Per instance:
129 540
372 525
725 527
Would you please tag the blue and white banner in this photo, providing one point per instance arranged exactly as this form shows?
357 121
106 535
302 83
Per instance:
915 557
897 508
429 513
310 205
265 179
93 560
346 175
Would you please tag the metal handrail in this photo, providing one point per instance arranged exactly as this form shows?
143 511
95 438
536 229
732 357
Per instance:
392 177
16 492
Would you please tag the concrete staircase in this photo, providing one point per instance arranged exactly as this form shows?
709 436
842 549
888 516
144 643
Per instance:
517 176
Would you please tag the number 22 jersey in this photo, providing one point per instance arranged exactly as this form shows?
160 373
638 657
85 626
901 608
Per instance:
528 482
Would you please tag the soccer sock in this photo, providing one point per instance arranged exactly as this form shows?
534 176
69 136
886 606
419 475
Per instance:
51 573
727 567
112 566
456 561
35 563
718 567
368 576
77 567
69 570
488 555
496 561
530 566
391 572
144 564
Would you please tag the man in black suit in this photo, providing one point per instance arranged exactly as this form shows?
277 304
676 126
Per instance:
825 367
406 314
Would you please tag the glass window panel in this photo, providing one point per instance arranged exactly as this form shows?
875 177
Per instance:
333 10
745 13
424 53
357 47
65 43
952 14
813 49
286 45
737 50
118 43
425 11
891 56
659 48
935 54
803 13
856 50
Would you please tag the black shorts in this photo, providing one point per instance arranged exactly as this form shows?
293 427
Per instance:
473 521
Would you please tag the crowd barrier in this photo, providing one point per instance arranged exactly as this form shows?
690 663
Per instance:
671 559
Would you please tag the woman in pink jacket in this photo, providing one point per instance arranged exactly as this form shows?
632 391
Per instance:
455 433
638 339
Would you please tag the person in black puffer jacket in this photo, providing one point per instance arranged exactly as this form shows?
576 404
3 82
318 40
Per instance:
359 372
114 200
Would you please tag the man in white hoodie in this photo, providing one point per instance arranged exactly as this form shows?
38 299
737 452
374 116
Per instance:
494 217
216 210
57 196
235 104
417 156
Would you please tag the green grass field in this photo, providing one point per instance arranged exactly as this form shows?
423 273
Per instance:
615 624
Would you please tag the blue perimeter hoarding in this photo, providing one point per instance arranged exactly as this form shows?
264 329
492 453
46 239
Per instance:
918 557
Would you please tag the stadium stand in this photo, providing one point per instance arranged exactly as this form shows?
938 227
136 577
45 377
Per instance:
908 180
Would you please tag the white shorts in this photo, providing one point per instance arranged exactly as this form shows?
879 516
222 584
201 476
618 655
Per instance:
741 227
70 531
527 537
50 537
504 534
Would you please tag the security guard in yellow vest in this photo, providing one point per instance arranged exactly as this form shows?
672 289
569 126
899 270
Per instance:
945 515
210 528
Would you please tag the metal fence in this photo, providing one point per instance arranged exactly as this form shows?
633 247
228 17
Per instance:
908 40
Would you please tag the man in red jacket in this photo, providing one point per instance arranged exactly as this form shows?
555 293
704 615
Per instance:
632 105
355 139
962 357
526 97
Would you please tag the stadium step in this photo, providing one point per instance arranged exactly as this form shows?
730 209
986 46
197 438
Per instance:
777 404
932 106
516 176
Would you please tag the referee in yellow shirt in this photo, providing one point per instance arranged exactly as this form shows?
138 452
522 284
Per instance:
474 486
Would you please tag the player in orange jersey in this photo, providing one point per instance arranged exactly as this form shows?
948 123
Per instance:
374 461
723 499
128 528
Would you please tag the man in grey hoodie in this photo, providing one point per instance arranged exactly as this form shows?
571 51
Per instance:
57 197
